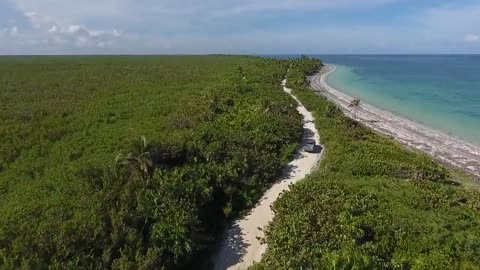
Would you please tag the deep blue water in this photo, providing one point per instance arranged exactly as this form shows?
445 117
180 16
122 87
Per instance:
439 91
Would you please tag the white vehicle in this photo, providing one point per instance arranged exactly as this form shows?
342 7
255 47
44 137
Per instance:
310 146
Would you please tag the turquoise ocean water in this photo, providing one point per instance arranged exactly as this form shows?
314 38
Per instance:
442 92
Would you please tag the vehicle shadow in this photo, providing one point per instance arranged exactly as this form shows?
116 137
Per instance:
308 134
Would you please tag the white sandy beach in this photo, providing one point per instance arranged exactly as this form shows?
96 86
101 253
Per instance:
241 246
435 143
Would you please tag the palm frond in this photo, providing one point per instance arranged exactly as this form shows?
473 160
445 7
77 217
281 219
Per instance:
144 143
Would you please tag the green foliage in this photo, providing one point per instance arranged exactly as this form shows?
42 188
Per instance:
79 190
138 163
371 204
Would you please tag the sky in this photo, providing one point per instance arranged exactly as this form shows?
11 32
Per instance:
239 27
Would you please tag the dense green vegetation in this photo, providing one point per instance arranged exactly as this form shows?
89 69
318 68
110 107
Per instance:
137 162
134 162
372 204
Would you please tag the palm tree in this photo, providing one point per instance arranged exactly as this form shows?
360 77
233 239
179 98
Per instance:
354 104
137 162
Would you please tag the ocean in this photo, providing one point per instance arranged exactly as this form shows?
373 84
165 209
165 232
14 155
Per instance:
438 91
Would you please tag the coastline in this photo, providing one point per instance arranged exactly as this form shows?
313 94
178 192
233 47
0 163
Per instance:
446 148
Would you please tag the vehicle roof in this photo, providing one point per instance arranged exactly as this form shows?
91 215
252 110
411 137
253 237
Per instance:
310 141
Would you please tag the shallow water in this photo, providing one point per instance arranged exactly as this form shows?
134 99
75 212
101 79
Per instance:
442 92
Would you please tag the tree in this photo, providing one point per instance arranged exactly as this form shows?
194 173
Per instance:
138 162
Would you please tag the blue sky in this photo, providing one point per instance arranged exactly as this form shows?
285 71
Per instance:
243 27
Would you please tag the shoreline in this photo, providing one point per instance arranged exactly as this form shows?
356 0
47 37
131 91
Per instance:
446 148
242 244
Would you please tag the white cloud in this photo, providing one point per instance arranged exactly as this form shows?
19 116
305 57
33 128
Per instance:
37 20
64 22
45 35
449 23
68 11
116 33
53 29
14 31
199 26
74 10
472 38
48 31
103 44
9 31
253 6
